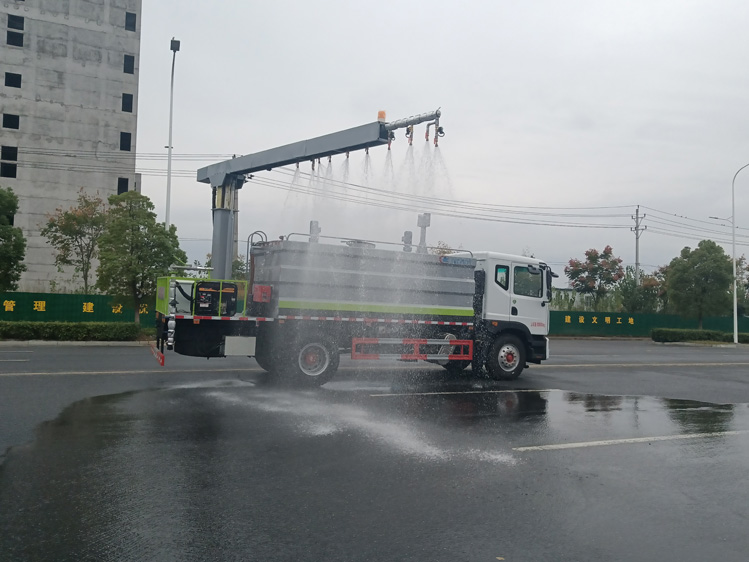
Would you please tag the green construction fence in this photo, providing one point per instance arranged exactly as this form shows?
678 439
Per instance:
54 307
633 325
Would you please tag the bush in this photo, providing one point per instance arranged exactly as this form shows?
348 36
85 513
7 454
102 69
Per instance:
69 331
677 335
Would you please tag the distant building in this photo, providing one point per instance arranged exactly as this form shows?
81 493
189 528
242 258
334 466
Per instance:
69 104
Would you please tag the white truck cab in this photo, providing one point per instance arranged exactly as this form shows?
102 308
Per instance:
517 290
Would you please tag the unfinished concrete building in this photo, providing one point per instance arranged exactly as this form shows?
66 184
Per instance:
68 99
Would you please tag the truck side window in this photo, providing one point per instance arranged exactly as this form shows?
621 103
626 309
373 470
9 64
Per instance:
527 283
500 276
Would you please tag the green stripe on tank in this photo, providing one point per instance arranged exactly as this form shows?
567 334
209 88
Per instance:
381 308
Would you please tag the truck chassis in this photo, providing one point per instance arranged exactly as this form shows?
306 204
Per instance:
308 348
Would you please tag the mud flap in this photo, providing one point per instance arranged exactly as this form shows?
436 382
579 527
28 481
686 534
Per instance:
158 355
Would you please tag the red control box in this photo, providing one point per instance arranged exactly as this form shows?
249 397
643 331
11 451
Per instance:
261 293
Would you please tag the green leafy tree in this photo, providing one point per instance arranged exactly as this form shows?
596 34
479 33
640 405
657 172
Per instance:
564 299
595 275
742 285
74 234
700 281
12 242
134 250
638 298
660 275
238 268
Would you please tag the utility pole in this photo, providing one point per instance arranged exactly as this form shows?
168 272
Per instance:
638 230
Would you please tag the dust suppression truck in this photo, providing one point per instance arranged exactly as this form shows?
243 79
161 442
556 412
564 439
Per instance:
306 302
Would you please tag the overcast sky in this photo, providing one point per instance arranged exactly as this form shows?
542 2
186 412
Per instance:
555 104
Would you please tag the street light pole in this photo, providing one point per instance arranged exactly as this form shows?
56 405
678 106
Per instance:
174 48
733 250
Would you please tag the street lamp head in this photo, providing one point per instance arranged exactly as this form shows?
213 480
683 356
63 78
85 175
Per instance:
175 45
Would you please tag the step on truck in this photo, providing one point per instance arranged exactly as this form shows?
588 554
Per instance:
306 302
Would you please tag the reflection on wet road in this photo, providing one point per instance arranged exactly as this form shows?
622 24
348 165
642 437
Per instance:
416 469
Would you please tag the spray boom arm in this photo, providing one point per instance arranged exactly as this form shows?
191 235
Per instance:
227 177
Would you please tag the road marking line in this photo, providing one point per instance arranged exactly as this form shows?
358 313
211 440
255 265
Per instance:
462 392
13 360
14 351
628 441
156 371
691 364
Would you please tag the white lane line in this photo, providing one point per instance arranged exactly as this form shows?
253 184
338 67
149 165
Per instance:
463 392
13 360
630 440
14 351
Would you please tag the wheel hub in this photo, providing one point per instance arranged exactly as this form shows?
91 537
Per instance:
508 357
313 360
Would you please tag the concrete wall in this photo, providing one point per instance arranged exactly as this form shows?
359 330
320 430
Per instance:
71 112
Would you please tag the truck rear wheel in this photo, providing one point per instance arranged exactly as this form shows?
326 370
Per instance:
506 358
314 360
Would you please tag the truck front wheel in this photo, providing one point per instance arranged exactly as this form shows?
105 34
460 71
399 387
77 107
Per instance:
506 358
314 360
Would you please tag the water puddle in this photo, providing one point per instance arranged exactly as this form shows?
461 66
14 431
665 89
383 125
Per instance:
180 473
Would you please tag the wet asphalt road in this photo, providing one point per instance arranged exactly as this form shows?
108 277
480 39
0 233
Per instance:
612 451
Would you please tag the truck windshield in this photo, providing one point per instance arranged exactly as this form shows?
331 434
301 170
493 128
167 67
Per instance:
527 283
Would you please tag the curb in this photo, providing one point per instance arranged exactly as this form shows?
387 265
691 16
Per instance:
700 344
46 343
604 338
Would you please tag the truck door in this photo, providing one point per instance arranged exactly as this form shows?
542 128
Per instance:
528 304
497 291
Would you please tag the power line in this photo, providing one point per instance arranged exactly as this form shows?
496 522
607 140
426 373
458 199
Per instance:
517 208
683 235
701 221
381 198
435 209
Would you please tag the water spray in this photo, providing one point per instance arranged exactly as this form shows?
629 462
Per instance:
226 177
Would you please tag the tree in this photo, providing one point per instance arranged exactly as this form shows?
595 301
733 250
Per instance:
700 281
660 275
564 299
74 234
441 249
742 285
639 298
12 242
134 250
238 268
596 275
